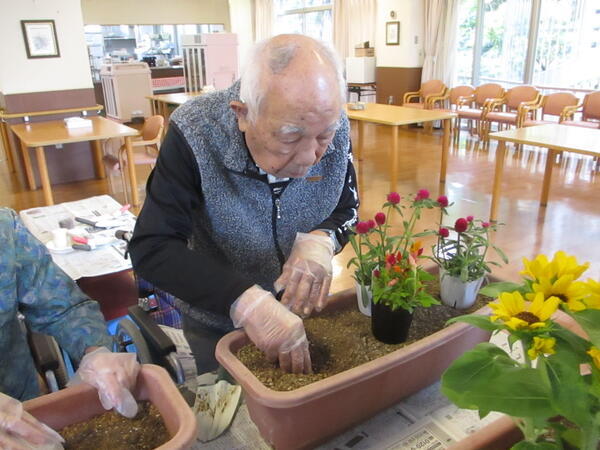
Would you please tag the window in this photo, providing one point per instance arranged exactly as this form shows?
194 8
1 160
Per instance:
549 43
310 17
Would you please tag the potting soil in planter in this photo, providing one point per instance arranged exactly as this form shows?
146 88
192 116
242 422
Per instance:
342 339
112 431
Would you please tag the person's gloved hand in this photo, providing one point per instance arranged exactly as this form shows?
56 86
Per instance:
276 331
306 275
114 375
20 430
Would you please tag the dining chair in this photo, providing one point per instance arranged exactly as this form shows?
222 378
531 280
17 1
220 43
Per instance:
145 150
552 107
449 103
471 107
505 110
590 112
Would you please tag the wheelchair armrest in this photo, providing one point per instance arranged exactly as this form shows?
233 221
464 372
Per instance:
157 339
43 351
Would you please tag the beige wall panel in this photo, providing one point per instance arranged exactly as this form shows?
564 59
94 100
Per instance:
150 12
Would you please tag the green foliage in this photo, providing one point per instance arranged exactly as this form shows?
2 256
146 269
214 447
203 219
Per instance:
389 263
464 255
560 374
495 289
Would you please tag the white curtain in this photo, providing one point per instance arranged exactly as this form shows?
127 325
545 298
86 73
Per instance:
353 24
439 41
264 19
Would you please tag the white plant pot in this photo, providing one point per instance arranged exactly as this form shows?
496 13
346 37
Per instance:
364 296
457 293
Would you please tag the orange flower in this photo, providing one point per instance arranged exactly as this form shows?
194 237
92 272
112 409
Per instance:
416 249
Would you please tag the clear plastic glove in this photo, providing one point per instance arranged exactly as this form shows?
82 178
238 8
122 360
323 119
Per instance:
114 375
20 430
306 275
276 331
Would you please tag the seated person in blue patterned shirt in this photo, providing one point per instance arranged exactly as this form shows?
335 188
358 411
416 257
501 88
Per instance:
31 284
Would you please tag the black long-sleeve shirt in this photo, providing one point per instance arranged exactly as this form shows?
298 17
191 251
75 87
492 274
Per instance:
160 250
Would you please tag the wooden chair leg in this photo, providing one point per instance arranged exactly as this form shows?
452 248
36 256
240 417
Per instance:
122 163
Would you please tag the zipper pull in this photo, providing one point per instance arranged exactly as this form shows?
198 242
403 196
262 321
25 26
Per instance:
277 206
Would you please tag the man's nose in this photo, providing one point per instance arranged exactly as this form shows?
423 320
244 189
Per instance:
309 155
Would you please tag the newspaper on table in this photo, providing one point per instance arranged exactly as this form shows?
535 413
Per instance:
77 263
426 420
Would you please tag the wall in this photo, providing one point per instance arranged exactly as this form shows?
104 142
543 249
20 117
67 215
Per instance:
399 66
241 24
149 12
19 74
410 14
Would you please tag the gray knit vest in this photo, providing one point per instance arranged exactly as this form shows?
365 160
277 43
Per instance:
237 221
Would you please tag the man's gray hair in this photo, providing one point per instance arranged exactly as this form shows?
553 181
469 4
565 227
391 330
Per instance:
252 90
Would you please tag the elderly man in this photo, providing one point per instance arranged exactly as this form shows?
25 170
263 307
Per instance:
252 194
50 302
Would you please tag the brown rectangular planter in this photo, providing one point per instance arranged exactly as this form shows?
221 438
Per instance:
80 403
310 415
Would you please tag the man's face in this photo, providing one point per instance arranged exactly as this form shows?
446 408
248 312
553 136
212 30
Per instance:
290 136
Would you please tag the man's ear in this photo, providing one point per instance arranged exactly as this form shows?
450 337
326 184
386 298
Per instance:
241 113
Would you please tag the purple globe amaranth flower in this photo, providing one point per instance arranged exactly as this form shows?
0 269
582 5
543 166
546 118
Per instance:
362 227
394 198
380 218
422 195
443 201
461 225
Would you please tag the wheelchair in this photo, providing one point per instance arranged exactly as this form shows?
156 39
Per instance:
138 332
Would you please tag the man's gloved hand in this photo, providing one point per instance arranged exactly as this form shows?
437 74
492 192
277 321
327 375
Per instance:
20 430
114 375
306 275
278 332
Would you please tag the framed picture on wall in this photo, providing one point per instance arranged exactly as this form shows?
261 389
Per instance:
40 38
392 33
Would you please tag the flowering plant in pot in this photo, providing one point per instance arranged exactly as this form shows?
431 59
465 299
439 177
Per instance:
393 262
553 395
463 258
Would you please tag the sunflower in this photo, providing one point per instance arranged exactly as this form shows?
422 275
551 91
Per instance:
516 314
595 354
593 301
561 265
565 288
541 346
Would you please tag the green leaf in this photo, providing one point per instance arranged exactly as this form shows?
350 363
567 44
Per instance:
527 445
501 253
477 320
487 378
495 289
589 320
569 393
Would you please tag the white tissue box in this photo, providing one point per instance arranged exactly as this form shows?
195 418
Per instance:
77 122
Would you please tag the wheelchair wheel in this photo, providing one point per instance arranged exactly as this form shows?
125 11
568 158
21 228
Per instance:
129 339
61 374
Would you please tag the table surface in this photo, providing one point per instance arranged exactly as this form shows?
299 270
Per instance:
53 132
178 98
555 137
396 115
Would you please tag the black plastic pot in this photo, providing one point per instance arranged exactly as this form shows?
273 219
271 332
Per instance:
390 327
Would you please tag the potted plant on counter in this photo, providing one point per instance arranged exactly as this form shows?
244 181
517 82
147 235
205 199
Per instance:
553 394
462 256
